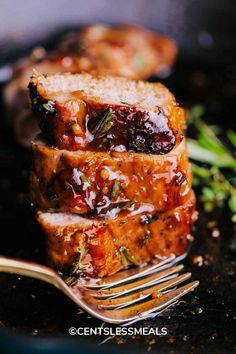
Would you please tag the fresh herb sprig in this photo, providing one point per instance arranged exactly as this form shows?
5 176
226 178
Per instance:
214 175
104 124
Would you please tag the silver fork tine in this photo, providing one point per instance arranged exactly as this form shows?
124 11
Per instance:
128 300
143 310
126 275
86 300
136 285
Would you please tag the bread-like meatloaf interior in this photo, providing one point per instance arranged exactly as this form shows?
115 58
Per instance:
102 247
81 111
103 183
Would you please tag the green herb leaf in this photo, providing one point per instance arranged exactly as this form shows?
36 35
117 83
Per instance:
138 144
126 205
127 257
85 181
232 137
80 178
105 124
232 203
216 186
201 154
146 238
195 113
115 190
76 267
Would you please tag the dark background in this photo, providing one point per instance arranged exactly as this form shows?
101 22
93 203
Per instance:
204 29
34 317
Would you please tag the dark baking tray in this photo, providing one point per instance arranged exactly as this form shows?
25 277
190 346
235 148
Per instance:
35 317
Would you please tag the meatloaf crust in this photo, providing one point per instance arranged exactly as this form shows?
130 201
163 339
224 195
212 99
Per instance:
102 247
104 183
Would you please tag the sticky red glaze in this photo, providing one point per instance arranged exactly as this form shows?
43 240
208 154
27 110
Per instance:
103 240
84 182
76 124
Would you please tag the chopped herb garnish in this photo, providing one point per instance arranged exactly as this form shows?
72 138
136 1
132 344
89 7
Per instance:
126 257
138 144
104 124
80 178
115 205
146 238
76 268
86 183
115 190
126 205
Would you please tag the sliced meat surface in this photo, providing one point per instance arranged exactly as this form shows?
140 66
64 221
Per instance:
127 51
83 112
102 247
104 183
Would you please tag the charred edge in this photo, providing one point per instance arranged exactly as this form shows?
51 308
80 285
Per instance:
44 110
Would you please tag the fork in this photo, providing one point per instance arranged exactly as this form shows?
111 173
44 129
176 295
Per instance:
123 298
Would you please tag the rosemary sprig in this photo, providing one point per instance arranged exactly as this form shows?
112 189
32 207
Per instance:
104 124
214 182
198 153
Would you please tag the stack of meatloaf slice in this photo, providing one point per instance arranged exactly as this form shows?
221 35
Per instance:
111 177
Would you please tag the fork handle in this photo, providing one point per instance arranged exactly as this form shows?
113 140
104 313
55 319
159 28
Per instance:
28 269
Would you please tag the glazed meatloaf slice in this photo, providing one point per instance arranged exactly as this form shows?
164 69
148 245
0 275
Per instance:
83 112
104 183
102 247
127 51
